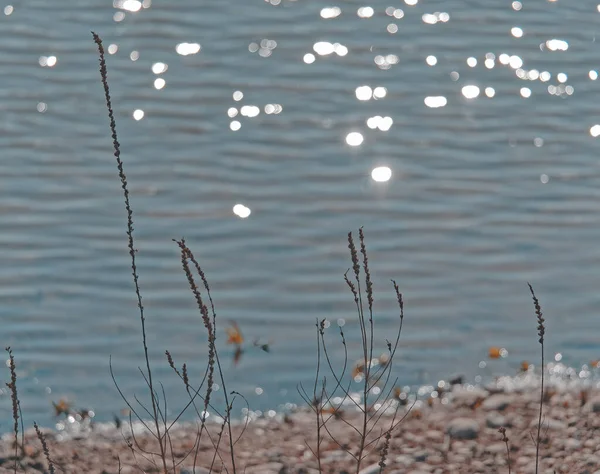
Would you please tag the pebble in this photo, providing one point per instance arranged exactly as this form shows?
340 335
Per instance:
460 437
497 402
372 469
495 420
463 428
593 405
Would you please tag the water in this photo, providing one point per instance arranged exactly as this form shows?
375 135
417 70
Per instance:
485 194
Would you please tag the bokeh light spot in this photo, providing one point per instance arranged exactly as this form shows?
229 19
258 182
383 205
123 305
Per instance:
381 174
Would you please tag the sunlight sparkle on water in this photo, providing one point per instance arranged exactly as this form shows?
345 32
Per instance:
128 5
273 109
323 48
515 62
470 91
435 101
138 114
241 211
330 12
340 49
561 77
544 178
47 61
595 130
490 92
557 45
159 68
381 174
517 6
379 122
545 76
250 111
392 28
431 60
379 92
112 48
8 9
238 95
593 75
385 62
525 92
365 12
309 58
471 62
385 124
235 125
134 55
395 12
159 83
186 49
232 112
354 139
364 93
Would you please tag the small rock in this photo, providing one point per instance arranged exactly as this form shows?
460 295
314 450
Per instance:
550 424
572 444
421 456
404 460
593 405
434 435
464 396
496 448
497 402
463 428
190 470
495 420
372 469
268 468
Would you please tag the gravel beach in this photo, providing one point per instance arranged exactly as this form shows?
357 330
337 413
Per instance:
455 431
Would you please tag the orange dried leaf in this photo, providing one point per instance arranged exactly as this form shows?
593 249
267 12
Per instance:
234 335
495 352
62 407
358 369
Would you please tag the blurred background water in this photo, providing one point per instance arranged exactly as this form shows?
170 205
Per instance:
460 134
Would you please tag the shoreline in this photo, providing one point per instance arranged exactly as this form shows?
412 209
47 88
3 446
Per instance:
454 431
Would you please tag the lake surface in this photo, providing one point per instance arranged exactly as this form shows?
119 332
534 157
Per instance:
486 117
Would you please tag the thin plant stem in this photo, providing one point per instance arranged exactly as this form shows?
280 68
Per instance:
541 330
12 386
132 250
502 431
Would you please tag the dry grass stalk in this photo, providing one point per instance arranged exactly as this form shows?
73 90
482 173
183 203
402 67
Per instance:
541 330
156 415
502 431
16 407
187 256
368 371
158 410
42 439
